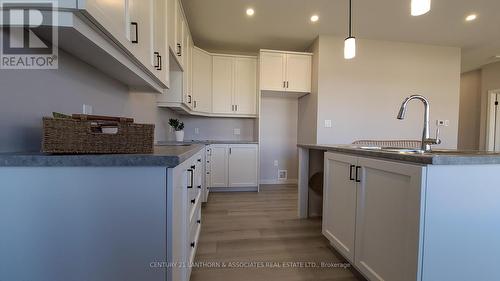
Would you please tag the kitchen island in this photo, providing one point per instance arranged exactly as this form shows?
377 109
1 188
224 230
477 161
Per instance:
100 217
397 215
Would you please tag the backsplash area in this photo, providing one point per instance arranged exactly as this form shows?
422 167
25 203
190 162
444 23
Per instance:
203 128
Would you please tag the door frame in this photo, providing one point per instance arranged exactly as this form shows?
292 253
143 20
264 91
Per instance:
491 124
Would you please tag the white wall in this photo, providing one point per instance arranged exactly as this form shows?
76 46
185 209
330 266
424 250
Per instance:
362 96
470 110
490 80
278 139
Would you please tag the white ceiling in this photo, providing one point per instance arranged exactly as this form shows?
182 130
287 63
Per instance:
222 25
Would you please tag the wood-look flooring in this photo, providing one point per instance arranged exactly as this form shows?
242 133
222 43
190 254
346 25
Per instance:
239 228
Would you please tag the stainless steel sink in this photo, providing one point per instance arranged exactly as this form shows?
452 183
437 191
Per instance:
432 152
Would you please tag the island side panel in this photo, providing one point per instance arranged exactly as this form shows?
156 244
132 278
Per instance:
462 223
303 181
82 223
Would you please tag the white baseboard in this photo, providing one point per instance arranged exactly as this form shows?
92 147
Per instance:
276 181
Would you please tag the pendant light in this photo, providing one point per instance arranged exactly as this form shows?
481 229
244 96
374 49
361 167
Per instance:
420 7
350 42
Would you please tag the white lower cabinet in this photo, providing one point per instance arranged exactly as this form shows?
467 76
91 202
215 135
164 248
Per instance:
233 165
372 211
185 219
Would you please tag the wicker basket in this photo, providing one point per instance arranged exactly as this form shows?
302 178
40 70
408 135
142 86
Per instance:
81 135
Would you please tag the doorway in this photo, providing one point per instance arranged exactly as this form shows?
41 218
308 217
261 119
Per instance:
493 131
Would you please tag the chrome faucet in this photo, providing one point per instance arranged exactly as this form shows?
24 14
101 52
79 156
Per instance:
427 141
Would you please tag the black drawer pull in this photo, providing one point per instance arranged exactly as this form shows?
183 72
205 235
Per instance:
136 26
351 173
198 221
199 186
193 201
192 178
358 174
193 244
199 160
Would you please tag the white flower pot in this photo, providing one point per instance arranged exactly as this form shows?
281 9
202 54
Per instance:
179 135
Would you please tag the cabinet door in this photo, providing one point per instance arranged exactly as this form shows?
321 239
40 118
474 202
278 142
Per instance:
222 85
218 165
171 25
243 165
160 55
179 29
140 34
187 74
339 202
202 81
298 73
388 220
245 85
272 71
110 14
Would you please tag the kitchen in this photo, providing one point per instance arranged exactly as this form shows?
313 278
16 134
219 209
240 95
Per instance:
258 132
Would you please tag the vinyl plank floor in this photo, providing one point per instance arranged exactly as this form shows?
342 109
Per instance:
257 237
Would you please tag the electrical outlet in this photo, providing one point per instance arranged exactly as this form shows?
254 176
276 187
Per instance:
196 131
236 132
282 175
276 164
443 123
87 109
328 123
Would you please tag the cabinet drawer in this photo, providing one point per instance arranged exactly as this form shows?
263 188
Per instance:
194 234
194 206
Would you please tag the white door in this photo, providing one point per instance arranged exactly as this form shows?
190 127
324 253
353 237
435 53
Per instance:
111 14
160 55
339 202
245 84
298 73
222 85
388 220
202 81
243 165
140 34
218 165
272 71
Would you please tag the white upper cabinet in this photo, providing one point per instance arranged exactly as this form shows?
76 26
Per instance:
285 72
180 29
245 85
110 14
141 31
202 80
298 73
222 85
234 85
159 54
272 71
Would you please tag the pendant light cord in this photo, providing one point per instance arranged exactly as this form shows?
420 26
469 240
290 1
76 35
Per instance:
350 18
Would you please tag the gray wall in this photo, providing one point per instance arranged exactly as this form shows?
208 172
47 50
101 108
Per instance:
218 128
278 139
490 80
470 110
362 96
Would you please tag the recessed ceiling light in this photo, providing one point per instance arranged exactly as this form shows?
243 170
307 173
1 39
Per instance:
250 12
314 18
471 17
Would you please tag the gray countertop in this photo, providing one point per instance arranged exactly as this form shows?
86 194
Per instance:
163 156
208 142
439 157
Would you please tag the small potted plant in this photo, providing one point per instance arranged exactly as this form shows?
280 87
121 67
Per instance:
178 127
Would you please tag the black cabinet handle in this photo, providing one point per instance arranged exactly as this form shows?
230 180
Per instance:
193 244
193 201
358 173
199 160
287 84
190 99
192 178
136 26
199 186
157 55
284 84
193 167
160 62
198 221
351 172
179 50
